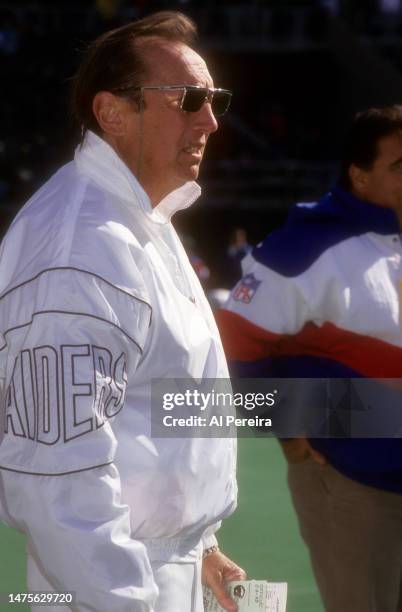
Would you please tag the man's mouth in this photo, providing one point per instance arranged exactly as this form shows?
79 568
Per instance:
195 151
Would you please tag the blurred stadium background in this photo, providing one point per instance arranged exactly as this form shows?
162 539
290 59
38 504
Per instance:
299 70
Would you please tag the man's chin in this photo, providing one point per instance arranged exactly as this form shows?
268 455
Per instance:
188 173
190 167
193 172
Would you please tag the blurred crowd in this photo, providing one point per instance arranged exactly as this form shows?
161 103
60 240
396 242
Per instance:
39 50
282 101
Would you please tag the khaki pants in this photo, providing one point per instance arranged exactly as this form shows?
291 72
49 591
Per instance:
354 534
179 587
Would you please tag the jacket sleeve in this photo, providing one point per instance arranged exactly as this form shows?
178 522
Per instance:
263 309
272 328
70 342
209 536
79 534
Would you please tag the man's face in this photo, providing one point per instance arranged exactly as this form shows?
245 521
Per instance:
172 141
382 184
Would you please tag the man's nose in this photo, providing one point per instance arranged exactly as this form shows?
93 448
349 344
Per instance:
205 119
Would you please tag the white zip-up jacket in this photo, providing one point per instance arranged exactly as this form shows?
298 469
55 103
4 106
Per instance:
97 297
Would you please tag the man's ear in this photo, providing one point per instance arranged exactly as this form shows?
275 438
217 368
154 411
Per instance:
109 112
358 178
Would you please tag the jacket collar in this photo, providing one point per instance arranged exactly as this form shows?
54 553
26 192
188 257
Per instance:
96 159
340 206
368 216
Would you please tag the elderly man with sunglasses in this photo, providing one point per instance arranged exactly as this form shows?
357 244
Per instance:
97 299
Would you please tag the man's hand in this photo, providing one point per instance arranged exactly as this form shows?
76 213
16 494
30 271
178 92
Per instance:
299 449
217 570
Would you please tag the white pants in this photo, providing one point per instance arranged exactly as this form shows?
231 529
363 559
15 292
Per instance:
179 586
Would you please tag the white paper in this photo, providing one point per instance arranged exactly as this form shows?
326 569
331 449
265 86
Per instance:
251 596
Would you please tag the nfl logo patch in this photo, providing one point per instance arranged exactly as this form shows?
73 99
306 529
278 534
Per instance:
246 288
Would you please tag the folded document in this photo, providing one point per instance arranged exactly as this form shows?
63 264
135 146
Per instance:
251 596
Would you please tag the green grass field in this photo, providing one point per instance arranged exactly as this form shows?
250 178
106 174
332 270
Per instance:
12 566
262 535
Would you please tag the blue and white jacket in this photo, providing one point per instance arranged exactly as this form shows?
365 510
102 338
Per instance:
321 298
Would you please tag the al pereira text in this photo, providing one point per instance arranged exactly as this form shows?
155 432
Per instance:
215 421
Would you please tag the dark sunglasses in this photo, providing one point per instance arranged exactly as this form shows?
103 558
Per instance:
194 96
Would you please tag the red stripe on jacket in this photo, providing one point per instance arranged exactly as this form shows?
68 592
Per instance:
371 357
